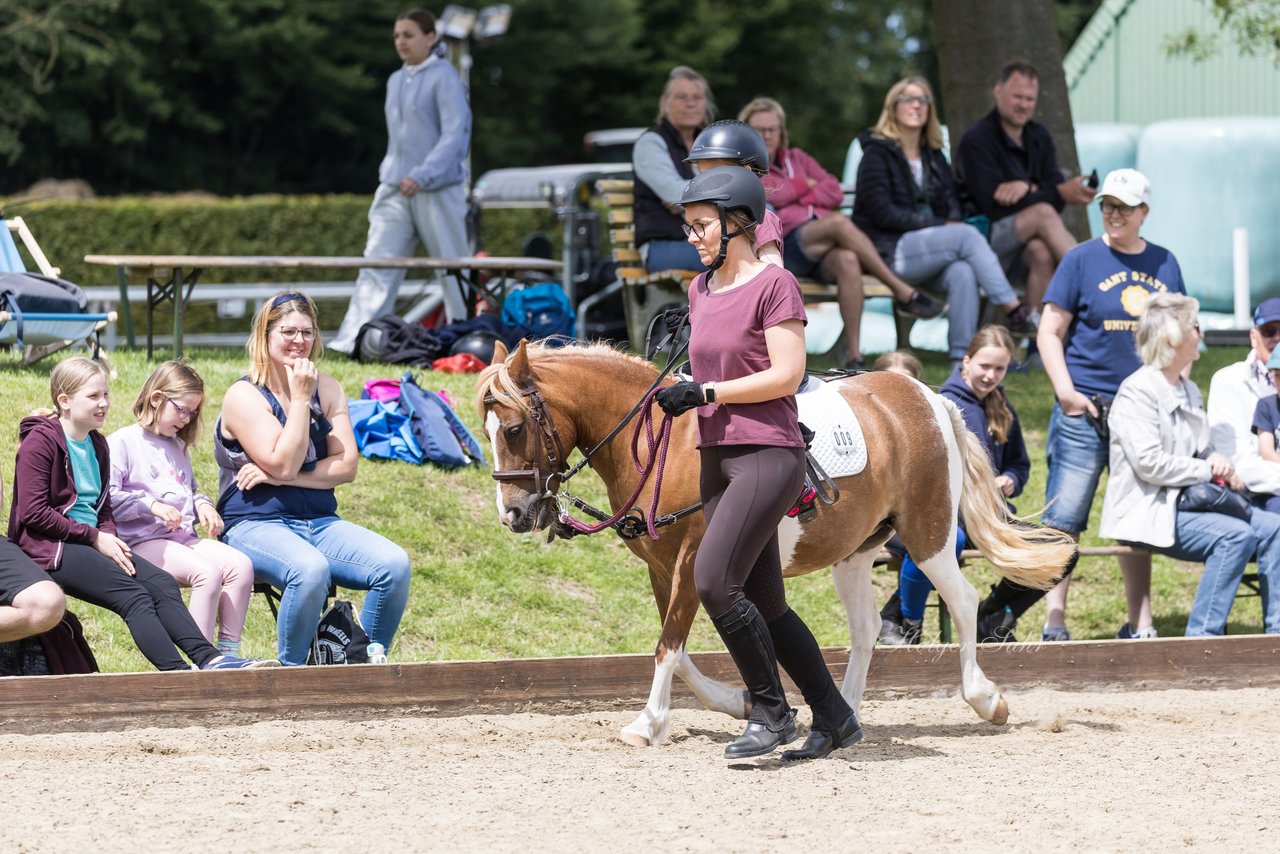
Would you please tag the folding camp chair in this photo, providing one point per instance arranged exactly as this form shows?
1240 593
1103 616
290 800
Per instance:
37 335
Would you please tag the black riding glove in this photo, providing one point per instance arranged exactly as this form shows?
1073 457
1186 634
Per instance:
681 397
674 319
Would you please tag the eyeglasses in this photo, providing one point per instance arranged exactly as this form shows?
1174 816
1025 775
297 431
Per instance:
182 411
697 229
1271 330
1109 208
291 334
775 130
915 100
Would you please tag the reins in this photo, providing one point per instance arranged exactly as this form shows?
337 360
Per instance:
627 525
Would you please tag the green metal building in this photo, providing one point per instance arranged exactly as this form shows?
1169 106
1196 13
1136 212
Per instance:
1118 70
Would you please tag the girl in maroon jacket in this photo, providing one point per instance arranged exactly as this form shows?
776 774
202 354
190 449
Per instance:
61 517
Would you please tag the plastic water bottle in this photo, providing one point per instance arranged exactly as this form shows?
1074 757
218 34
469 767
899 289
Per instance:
377 653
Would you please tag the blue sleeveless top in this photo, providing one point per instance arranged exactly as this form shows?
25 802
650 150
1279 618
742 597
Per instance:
267 501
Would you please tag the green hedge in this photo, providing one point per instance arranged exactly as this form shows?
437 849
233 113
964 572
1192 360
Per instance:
254 225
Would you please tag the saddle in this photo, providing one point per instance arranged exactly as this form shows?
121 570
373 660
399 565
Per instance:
837 438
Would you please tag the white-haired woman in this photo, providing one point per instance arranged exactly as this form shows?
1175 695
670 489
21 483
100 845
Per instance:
1159 446
659 156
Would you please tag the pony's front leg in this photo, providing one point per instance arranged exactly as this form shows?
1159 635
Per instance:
962 601
852 577
654 723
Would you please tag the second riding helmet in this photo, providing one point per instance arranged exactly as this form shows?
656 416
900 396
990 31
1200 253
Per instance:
731 140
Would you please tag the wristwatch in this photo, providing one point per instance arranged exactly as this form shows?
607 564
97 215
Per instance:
709 392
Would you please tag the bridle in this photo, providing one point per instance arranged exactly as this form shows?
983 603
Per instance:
545 426
629 522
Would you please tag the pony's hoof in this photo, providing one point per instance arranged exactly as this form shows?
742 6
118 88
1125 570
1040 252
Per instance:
1001 716
634 739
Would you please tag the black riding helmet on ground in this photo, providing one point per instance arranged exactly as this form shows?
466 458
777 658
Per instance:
728 188
733 140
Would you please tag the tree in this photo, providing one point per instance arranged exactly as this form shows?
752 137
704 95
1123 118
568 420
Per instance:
34 36
974 39
1254 26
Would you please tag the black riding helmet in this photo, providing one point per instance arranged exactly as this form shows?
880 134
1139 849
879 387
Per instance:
731 139
728 188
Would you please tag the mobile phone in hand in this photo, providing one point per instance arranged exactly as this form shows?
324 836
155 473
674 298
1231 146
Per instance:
1092 181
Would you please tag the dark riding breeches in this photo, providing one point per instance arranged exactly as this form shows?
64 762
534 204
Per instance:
746 491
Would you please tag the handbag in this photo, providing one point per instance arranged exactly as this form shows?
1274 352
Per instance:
1213 498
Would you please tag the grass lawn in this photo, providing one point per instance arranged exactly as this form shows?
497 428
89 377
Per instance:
481 592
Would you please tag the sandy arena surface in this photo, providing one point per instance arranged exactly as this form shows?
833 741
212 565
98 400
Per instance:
1151 771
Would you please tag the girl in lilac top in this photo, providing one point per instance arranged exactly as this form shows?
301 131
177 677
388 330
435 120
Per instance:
747 356
158 505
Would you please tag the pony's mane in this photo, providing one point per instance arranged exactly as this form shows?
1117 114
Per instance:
495 381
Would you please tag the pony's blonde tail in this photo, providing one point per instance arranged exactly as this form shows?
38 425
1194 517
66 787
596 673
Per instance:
1033 556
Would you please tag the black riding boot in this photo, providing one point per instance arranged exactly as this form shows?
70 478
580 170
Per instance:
834 723
771 721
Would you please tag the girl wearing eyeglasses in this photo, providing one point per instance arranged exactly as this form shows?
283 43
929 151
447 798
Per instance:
284 441
158 505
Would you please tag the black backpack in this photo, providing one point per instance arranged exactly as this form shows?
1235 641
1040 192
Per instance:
339 639
390 340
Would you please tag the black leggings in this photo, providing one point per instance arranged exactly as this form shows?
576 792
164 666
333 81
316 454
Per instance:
149 602
746 490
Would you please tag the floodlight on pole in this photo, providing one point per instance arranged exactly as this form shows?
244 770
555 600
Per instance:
456 22
493 22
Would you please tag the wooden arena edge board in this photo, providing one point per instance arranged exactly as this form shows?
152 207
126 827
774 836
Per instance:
560 685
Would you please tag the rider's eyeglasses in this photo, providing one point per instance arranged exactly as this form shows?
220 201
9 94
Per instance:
291 334
697 229
915 100
1271 330
183 411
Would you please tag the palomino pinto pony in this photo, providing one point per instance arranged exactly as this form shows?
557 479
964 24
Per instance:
923 465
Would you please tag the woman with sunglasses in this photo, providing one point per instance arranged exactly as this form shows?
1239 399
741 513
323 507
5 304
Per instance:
157 504
1086 342
284 441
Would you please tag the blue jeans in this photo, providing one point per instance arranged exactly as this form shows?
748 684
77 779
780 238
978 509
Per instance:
963 263
671 255
914 585
1225 544
300 557
1076 456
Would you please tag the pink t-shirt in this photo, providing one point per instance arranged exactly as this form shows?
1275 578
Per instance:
769 230
727 341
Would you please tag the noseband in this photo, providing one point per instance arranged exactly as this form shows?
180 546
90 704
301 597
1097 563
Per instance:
546 428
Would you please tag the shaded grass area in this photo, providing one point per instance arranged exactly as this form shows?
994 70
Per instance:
479 591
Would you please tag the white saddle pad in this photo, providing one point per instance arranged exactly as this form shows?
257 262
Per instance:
838 445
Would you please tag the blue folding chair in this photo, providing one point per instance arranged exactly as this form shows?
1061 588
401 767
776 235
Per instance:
37 335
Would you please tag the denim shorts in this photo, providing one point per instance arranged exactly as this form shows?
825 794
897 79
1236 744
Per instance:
797 263
1076 456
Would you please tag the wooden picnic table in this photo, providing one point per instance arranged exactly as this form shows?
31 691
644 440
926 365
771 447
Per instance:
172 278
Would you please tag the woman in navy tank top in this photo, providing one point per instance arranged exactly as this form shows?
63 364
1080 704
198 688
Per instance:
284 441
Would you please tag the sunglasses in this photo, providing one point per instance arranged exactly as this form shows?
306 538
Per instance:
1271 330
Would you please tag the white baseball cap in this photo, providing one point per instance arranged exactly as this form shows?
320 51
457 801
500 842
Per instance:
1128 185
